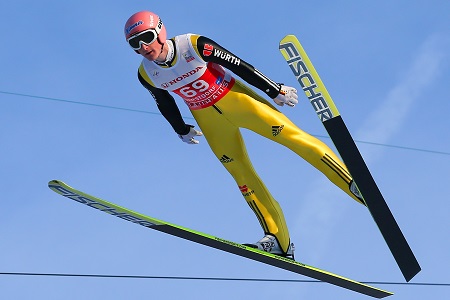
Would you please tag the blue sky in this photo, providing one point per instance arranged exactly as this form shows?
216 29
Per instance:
386 64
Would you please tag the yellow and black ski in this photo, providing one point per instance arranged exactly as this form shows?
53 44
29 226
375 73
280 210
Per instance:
214 242
326 110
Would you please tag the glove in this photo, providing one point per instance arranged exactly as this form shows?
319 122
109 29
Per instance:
287 95
189 137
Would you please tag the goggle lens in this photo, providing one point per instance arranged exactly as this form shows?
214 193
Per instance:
146 37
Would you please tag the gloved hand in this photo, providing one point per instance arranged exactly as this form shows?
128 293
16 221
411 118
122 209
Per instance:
189 137
288 95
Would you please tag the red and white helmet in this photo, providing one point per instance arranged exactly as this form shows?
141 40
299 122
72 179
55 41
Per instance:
144 21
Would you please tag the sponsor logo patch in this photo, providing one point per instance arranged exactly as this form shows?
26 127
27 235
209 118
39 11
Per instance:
276 129
207 50
225 159
246 191
188 56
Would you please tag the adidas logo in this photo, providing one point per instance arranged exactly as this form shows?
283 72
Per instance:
276 129
225 159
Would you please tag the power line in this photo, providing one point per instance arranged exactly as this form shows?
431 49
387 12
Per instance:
155 113
394 146
205 278
211 278
79 102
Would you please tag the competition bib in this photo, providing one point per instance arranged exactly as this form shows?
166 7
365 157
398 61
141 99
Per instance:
209 88
200 84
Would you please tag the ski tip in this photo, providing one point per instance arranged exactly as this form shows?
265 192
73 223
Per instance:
289 37
54 181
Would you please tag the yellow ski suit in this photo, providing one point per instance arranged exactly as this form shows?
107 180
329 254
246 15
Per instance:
222 105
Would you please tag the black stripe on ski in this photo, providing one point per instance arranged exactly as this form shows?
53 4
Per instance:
373 198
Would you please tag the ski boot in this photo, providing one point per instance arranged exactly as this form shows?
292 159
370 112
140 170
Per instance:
269 243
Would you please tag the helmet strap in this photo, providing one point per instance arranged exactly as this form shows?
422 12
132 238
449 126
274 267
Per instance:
170 53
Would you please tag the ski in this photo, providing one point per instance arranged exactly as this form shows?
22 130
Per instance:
214 242
326 110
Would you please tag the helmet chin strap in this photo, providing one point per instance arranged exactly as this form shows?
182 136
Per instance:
162 46
170 53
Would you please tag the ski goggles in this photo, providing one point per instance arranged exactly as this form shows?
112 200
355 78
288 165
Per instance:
145 37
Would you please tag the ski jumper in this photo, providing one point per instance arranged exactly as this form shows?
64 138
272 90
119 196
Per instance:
221 104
